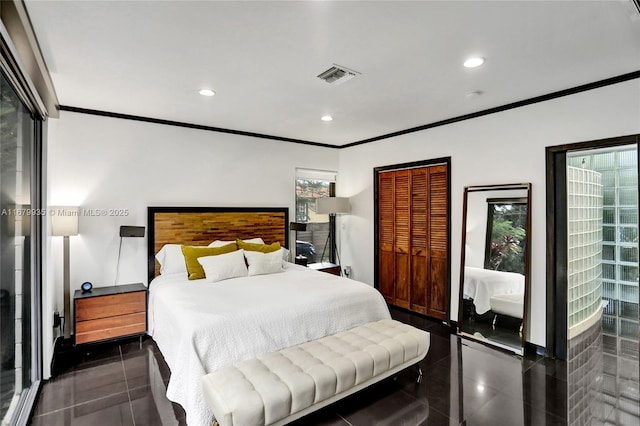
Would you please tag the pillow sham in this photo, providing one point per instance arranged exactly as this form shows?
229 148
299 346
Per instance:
171 259
264 263
223 266
219 243
191 255
262 248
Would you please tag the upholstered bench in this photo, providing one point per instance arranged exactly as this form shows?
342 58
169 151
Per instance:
511 305
279 387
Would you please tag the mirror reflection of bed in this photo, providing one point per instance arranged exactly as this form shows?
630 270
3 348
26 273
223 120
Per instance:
495 264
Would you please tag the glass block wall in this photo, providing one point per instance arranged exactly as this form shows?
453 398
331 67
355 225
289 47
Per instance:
584 192
619 171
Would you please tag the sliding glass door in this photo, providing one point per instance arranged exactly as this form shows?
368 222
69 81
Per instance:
19 251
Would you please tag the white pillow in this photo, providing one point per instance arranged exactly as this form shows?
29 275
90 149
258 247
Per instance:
285 254
171 259
219 243
223 266
264 263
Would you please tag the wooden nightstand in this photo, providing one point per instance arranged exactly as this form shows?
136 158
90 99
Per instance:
110 312
330 268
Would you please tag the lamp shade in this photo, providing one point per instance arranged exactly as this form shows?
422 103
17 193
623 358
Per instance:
64 221
297 226
332 205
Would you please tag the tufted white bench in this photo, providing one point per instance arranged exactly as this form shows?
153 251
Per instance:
508 304
511 305
279 387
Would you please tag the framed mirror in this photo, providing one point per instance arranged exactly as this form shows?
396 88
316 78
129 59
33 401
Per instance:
495 264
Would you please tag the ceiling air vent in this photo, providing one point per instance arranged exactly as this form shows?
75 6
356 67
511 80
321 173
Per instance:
337 74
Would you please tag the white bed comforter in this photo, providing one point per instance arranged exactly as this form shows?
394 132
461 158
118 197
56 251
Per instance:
201 327
480 284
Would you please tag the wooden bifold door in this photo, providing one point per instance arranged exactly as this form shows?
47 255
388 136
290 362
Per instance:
413 238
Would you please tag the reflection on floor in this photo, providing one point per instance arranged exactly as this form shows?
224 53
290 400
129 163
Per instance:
620 384
501 329
507 333
465 383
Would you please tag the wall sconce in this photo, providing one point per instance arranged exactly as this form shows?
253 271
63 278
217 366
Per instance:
297 226
64 223
127 232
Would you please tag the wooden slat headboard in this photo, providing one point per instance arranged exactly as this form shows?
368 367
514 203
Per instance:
199 226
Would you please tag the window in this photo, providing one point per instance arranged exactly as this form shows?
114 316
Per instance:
314 243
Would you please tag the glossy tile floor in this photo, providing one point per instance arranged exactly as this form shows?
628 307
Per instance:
465 383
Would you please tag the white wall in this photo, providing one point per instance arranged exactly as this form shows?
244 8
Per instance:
106 163
506 147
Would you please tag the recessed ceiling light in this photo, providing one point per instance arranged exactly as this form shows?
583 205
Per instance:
326 118
207 92
474 62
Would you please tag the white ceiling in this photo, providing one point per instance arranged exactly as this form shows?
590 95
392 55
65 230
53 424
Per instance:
150 59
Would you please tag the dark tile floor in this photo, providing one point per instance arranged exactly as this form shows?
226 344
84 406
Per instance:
465 383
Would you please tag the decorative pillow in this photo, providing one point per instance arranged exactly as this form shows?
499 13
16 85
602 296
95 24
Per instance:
262 248
264 263
191 255
218 243
171 259
285 254
223 266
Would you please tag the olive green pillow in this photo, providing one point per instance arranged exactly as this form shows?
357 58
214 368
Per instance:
262 248
191 255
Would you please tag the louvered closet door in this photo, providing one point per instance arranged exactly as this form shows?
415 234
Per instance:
437 295
419 246
413 238
402 216
386 224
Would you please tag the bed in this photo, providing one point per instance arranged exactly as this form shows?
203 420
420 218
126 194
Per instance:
200 326
481 284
